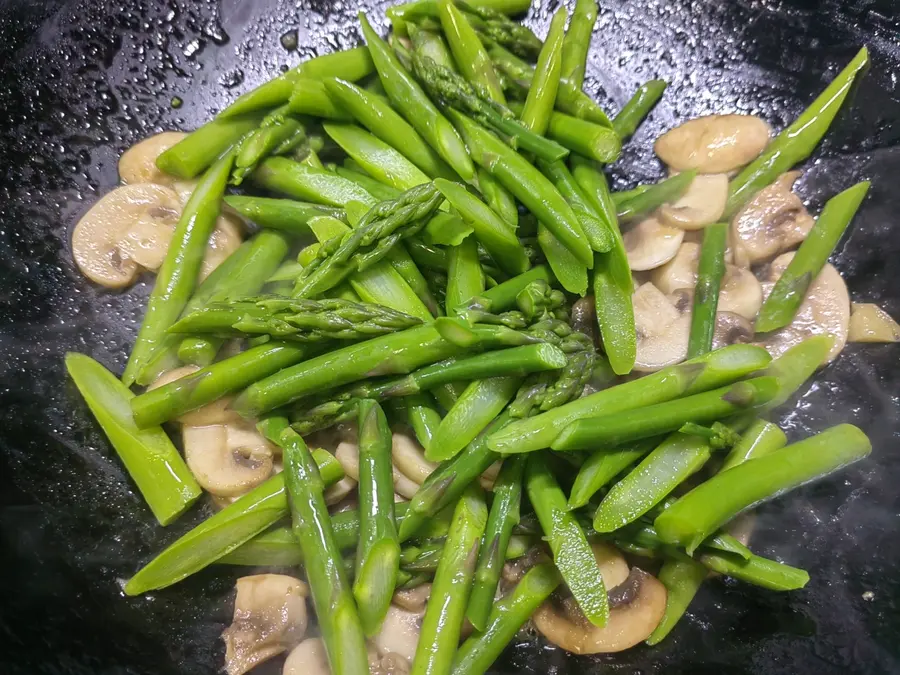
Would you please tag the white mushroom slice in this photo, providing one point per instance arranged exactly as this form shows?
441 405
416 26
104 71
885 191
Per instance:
348 455
774 221
98 237
339 491
413 599
740 292
216 412
409 458
307 658
870 323
400 632
138 163
650 244
629 623
613 567
702 204
825 310
731 329
680 271
269 617
224 241
223 465
662 331
714 143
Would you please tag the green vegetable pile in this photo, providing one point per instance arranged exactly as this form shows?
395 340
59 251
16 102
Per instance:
451 181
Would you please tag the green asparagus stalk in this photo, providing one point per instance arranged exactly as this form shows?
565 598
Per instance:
760 439
450 590
682 579
638 107
278 134
796 366
796 142
468 52
199 150
498 198
160 473
432 44
601 467
698 375
712 504
578 41
378 553
756 570
177 277
380 191
611 430
280 214
478 652
296 319
465 278
503 296
420 410
588 139
786 297
311 97
710 271
503 517
496 235
409 99
308 183
426 556
571 552
651 197
542 95
225 531
377 158
598 234
339 620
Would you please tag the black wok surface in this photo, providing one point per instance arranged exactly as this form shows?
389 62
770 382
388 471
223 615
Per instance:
82 80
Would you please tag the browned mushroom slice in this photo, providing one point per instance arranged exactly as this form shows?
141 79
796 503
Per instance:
702 204
775 220
640 608
269 618
714 143
825 310
138 163
870 323
650 244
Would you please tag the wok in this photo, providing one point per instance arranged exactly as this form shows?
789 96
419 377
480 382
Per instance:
83 79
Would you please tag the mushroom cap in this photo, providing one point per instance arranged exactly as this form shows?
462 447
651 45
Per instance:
775 220
870 323
307 658
662 331
714 143
629 623
130 220
227 459
138 163
650 244
740 293
269 617
702 204
825 310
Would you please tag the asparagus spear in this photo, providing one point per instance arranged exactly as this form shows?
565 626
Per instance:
200 149
584 137
160 473
468 52
578 41
542 94
465 278
571 552
601 467
598 234
756 570
503 517
629 118
786 297
611 430
339 621
278 134
710 271
432 44
796 366
177 277
796 142
479 651
280 214
377 158
415 106
698 375
301 181
225 531
710 505
760 439
450 590
648 198
378 553
498 198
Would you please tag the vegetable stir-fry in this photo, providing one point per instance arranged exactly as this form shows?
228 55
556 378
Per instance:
451 383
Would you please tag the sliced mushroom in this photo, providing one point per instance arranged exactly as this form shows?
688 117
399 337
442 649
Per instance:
775 220
224 241
409 458
714 143
413 599
130 220
138 163
650 244
269 617
825 310
399 633
702 204
731 329
226 459
347 454
339 491
680 271
613 567
662 331
388 664
216 412
307 658
870 323
629 623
